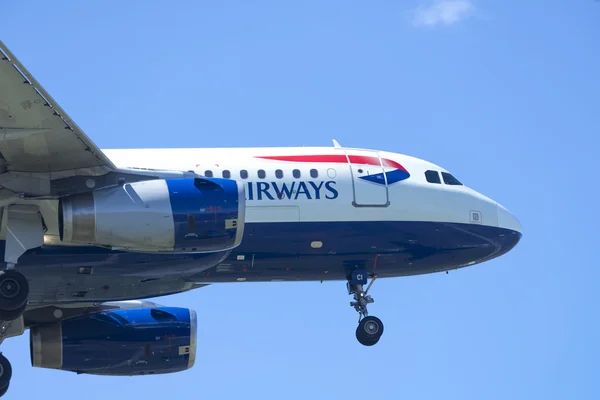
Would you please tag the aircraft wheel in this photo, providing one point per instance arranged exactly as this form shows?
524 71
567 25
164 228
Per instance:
369 331
14 290
5 374
11 315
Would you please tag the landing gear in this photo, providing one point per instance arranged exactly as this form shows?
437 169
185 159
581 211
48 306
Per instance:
369 328
369 331
14 290
26 227
5 374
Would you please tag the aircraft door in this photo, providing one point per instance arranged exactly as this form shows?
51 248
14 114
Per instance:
369 182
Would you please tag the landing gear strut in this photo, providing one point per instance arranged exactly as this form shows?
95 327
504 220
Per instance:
369 328
25 230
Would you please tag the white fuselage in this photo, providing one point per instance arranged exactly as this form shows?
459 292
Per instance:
287 192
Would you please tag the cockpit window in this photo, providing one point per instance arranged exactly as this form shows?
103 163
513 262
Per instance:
432 176
449 179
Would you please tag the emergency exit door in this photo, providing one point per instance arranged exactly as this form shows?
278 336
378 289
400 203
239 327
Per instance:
368 179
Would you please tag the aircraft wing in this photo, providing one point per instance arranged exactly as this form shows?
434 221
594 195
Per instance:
36 135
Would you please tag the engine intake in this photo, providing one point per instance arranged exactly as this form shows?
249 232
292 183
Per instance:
179 215
128 342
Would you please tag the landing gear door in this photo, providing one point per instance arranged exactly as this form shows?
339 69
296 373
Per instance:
368 179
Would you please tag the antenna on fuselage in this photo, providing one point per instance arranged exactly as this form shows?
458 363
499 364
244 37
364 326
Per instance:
336 144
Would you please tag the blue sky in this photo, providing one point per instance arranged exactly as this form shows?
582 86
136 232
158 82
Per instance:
505 95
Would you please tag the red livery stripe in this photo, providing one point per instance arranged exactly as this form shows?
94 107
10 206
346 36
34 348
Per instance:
337 158
368 160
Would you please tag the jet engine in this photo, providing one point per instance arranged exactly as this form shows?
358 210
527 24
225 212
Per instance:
126 342
197 215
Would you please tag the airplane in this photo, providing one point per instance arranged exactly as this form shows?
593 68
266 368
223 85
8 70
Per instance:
89 235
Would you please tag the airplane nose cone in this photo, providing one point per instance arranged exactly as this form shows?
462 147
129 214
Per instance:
507 220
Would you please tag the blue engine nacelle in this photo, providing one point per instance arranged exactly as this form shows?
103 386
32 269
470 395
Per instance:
128 342
196 215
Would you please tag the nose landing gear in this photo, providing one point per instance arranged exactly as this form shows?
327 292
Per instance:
369 328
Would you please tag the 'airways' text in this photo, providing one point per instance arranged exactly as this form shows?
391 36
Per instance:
293 191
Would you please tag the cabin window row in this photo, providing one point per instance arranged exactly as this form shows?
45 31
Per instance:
262 174
434 177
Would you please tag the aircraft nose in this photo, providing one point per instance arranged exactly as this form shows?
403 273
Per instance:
507 220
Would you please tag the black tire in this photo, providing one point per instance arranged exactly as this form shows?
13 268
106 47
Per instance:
14 290
11 315
369 331
4 390
5 373
364 339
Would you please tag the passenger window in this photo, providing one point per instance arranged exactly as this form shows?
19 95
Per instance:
226 174
296 173
244 174
450 180
432 176
314 173
208 174
261 174
278 174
